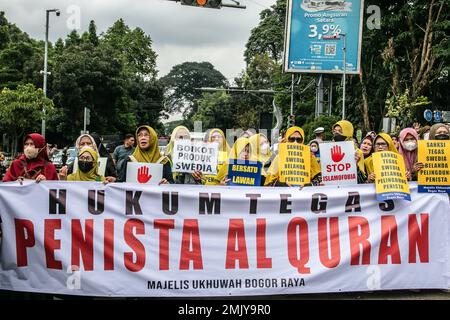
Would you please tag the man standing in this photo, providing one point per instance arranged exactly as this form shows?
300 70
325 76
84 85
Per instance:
319 134
120 156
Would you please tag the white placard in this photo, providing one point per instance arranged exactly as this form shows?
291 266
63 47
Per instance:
101 165
195 156
143 172
136 240
337 160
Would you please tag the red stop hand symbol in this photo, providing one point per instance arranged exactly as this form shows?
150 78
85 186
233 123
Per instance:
336 154
143 176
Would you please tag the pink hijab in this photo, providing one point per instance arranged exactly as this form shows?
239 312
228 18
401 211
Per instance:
409 157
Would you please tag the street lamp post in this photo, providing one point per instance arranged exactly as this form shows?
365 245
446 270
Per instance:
344 73
45 72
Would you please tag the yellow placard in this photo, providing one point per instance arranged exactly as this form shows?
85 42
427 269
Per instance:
435 156
294 163
390 173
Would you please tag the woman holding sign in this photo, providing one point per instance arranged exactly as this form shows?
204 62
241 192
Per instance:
382 142
245 169
294 135
181 133
260 148
147 151
217 135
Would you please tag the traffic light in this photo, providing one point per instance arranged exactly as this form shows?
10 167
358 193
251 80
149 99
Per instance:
214 4
291 120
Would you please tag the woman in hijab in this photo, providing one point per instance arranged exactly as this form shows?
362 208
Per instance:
382 142
439 131
241 150
408 142
343 131
178 134
314 147
366 146
293 135
217 135
34 163
260 148
86 140
147 150
87 167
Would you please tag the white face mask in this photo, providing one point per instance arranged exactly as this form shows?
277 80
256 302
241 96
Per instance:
410 145
264 148
314 149
31 152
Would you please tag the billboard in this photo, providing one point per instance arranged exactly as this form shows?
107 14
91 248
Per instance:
314 37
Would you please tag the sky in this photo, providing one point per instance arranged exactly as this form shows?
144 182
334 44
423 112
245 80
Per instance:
179 33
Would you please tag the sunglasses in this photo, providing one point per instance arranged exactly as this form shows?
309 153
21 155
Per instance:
299 140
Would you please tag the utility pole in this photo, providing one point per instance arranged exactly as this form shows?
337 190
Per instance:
45 72
344 74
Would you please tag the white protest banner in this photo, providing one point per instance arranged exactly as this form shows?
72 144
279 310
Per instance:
195 156
101 165
337 160
176 240
143 172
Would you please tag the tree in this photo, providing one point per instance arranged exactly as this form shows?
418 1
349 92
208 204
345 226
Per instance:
21 111
216 110
181 83
268 36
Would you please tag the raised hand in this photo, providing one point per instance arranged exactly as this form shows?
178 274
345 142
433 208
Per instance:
143 175
336 153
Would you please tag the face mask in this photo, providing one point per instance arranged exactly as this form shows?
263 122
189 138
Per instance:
85 166
314 149
339 137
264 148
31 152
410 145
442 137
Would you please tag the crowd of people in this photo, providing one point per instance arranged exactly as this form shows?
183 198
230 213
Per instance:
34 163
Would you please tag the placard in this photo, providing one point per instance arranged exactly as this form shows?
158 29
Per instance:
244 173
294 163
143 172
190 156
390 176
435 175
337 160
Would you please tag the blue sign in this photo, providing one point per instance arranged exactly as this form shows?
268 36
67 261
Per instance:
393 196
316 33
244 173
428 115
437 116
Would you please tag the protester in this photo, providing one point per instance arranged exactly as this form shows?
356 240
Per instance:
217 135
103 153
395 140
293 135
382 142
260 148
314 147
439 131
34 163
88 167
366 146
247 134
121 154
147 151
343 131
241 150
178 134
409 138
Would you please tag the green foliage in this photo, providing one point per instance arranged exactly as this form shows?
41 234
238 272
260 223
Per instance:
312 123
215 110
21 110
181 83
404 109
